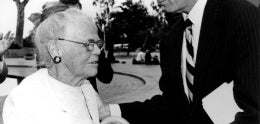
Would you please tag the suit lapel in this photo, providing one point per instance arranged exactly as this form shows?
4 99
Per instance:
172 46
208 40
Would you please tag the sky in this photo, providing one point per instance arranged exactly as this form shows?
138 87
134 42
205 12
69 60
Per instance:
8 13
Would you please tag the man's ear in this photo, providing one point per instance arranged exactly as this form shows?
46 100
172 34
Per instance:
54 49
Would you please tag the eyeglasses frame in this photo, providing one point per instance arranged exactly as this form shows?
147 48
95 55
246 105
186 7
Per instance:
85 43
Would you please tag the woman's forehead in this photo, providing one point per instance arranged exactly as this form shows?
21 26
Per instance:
83 31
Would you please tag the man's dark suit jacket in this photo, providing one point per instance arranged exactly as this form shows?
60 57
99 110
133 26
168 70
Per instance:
228 50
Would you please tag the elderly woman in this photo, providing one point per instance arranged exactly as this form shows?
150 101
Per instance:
105 71
60 94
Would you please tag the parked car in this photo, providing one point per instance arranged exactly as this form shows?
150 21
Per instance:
121 47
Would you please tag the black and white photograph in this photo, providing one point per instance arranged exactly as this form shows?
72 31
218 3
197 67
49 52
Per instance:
130 62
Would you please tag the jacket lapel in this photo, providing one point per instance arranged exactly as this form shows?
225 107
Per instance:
172 46
208 40
91 101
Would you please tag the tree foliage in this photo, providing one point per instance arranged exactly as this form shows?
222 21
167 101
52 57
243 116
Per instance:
134 25
133 21
130 24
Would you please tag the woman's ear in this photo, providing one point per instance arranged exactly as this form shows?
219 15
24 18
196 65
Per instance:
54 49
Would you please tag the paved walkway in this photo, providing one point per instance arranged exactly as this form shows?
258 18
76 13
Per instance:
131 83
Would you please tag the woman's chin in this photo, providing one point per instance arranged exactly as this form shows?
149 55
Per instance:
91 73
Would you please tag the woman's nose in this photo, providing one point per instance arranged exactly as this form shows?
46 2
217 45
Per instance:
96 50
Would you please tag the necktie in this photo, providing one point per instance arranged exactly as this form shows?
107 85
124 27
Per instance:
190 65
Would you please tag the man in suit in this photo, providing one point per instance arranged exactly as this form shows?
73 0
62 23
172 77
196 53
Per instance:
221 43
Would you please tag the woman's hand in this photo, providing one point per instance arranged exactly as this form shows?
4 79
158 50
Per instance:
114 120
5 42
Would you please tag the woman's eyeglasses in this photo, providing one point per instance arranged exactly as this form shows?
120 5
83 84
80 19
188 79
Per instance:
88 44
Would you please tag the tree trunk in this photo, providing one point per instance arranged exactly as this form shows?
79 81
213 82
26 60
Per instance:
20 25
20 21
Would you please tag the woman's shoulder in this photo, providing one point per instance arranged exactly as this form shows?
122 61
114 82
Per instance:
32 84
35 78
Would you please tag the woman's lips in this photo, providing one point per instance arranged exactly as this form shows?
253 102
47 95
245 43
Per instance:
93 62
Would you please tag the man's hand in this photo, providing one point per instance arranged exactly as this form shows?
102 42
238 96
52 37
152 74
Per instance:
5 42
103 109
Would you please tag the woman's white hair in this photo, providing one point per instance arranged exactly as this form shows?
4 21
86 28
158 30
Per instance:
55 27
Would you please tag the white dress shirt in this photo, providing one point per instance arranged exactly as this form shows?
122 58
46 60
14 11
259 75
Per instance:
195 16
